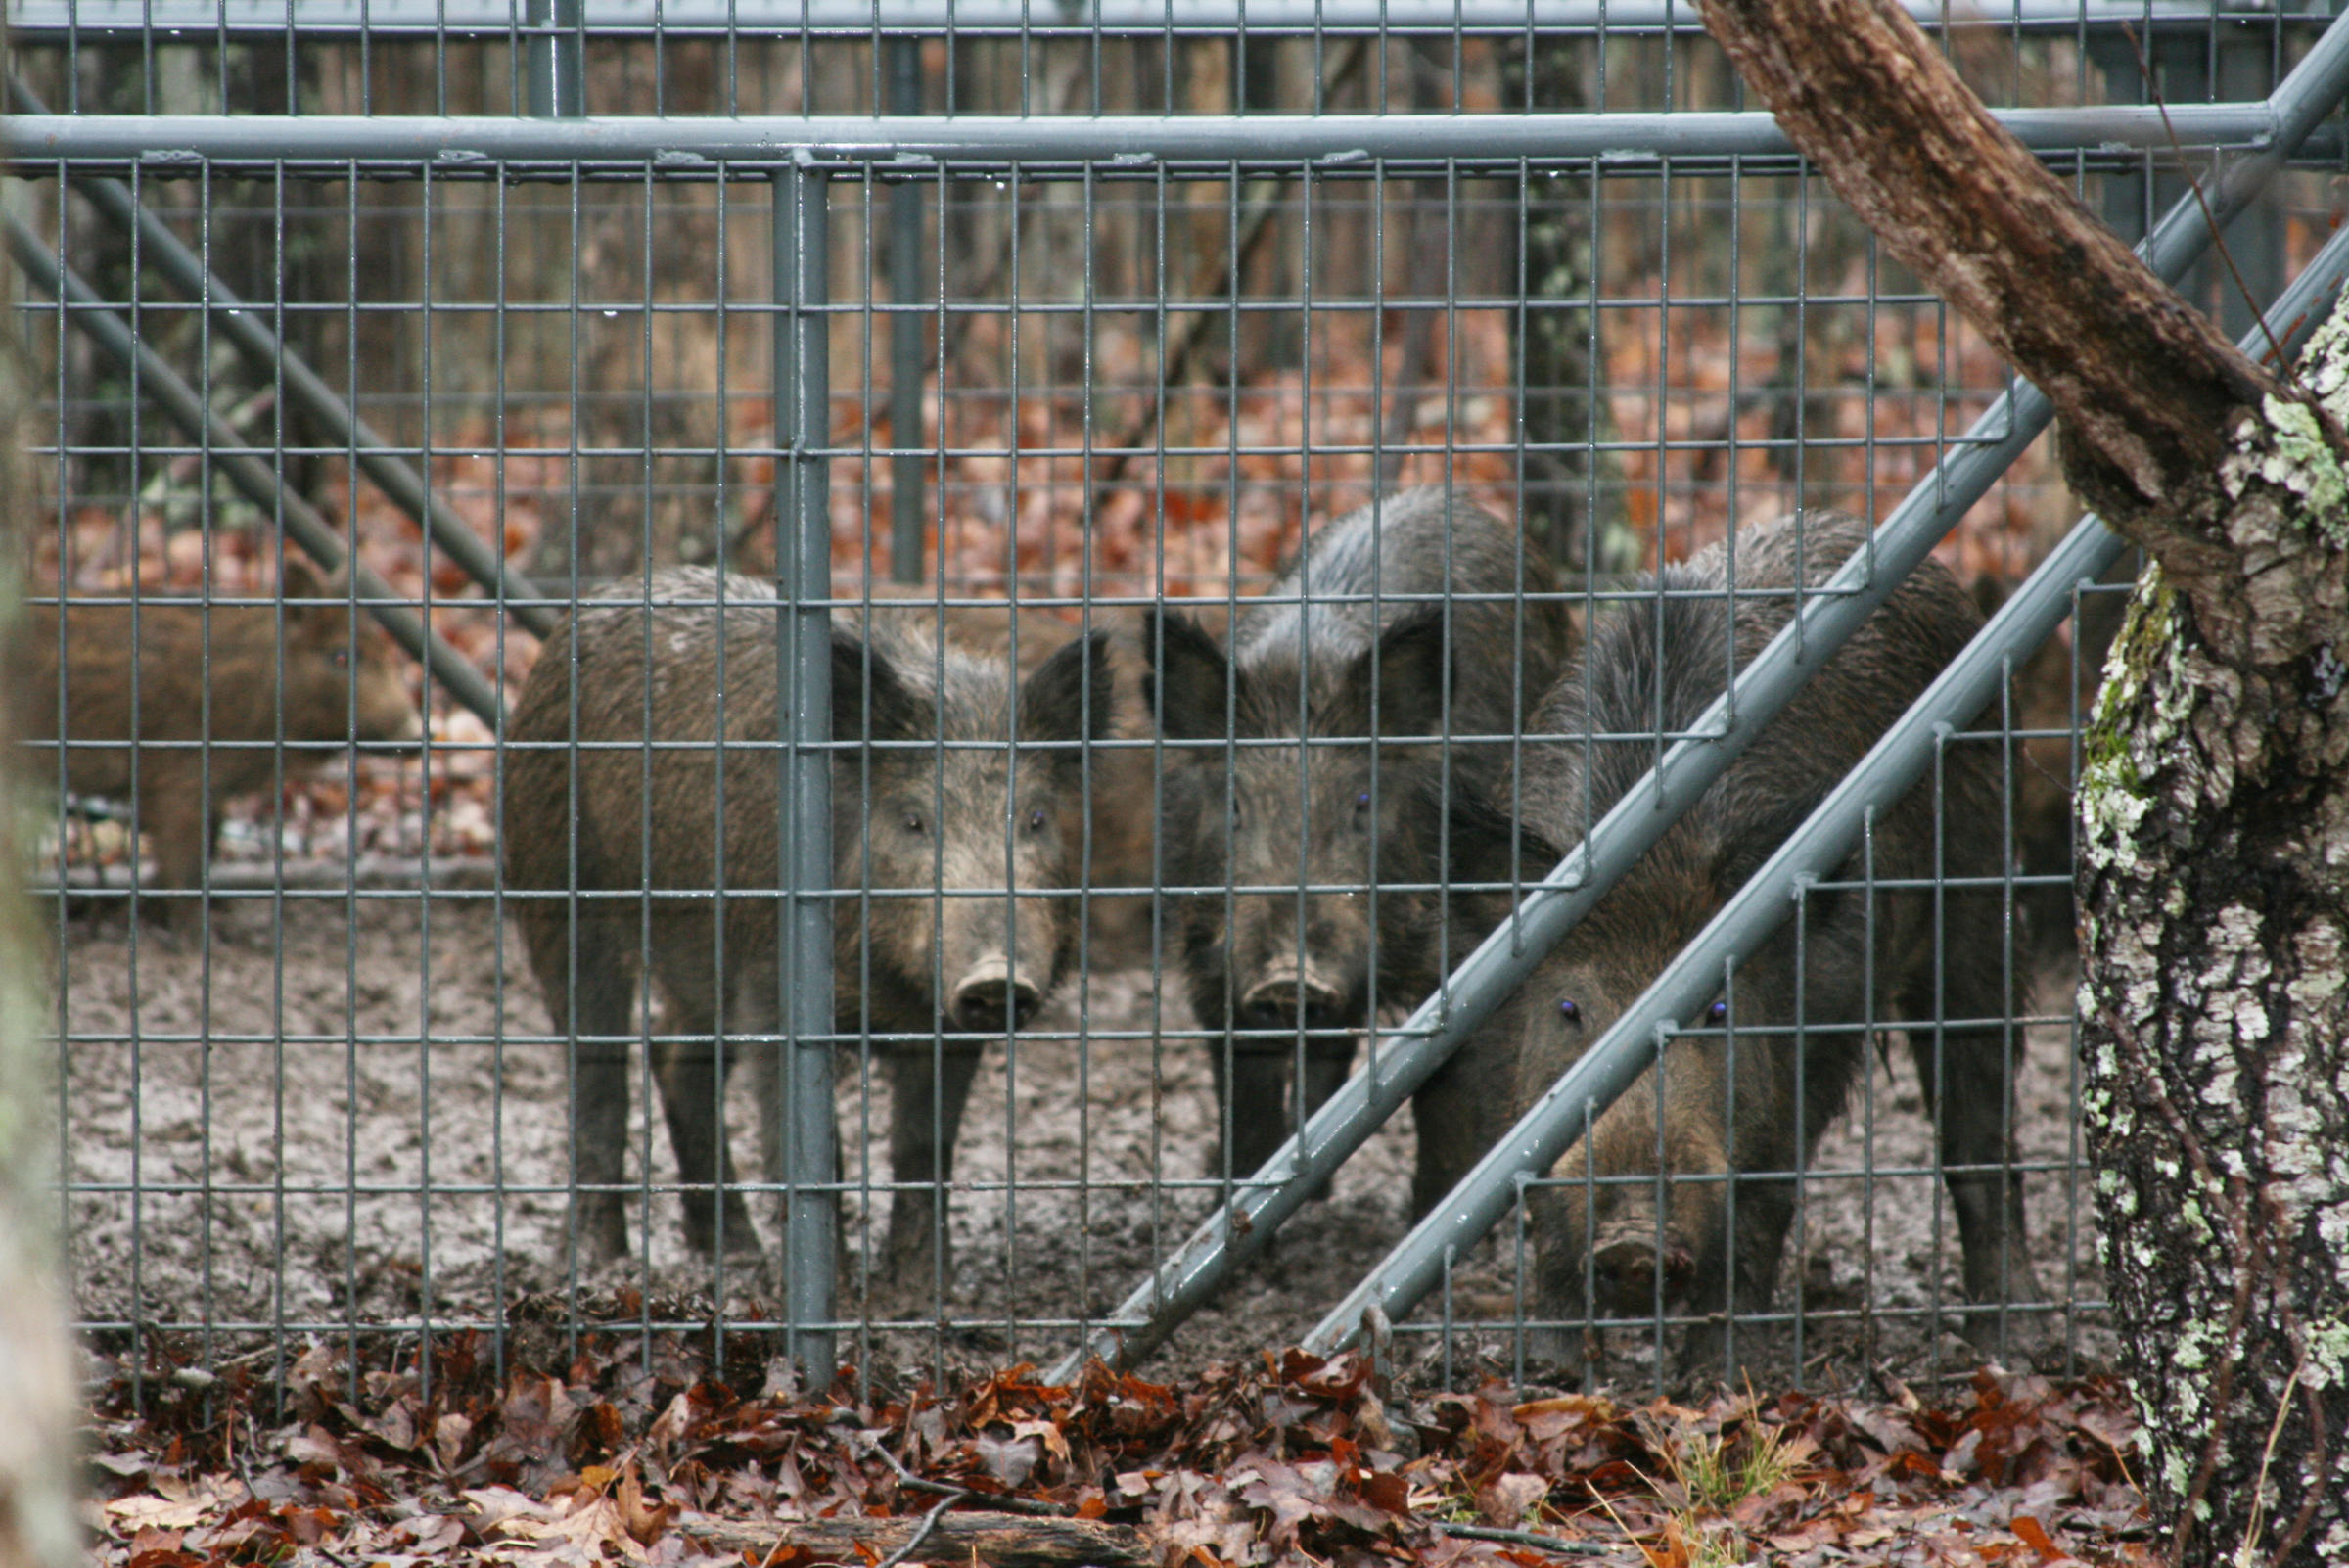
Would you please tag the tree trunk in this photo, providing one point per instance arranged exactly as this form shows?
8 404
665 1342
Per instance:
37 1446
1557 336
2214 810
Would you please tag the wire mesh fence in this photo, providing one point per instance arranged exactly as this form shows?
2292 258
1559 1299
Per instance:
892 533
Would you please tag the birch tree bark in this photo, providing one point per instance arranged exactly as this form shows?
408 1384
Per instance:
2215 807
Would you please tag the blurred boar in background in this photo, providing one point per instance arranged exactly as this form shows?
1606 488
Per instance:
161 697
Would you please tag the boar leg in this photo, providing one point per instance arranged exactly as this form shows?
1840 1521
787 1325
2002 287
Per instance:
1460 1113
1251 1092
755 1013
1970 1097
173 816
692 1096
590 1008
928 1090
1327 1064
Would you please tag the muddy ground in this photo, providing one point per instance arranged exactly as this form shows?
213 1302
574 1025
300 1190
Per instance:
363 1123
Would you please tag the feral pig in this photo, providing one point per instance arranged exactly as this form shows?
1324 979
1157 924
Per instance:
912 826
1663 657
161 697
1364 692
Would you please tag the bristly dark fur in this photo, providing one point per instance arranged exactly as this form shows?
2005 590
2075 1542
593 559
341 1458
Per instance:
1391 633
1666 659
907 822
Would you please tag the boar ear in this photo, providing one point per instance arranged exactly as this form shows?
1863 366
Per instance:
301 579
1071 694
1408 666
889 709
1482 835
1185 670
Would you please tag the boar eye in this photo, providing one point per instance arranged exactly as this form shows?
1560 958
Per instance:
341 658
1036 820
913 821
1570 1011
1719 1012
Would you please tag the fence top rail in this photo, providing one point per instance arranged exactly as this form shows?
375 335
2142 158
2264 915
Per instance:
165 144
57 19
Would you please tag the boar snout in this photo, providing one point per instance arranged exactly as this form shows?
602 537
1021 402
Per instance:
1627 1256
994 997
402 735
1285 995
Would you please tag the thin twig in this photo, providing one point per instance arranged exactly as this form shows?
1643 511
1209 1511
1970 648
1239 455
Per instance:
1000 1504
2218 241
1003 1504
929 1523
1528 1538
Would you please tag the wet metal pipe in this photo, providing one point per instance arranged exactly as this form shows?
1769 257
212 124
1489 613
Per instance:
804 687
893 19
1412 1052
485 146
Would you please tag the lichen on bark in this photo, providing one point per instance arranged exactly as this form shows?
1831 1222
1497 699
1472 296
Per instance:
2214 829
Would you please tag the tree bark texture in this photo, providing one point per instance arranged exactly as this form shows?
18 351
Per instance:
2214 806
1555 335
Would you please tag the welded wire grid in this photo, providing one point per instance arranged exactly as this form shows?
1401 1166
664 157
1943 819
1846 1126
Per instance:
329 1102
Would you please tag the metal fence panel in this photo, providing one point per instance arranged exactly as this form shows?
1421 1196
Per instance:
799 420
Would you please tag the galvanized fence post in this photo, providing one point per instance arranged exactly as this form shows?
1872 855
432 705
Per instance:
804 687
555 60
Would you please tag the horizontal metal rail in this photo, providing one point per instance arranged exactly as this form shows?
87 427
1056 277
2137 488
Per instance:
242 326
249 470
864 18
488 145
1817 849
1410 1054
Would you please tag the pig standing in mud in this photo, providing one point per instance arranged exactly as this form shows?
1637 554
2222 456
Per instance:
1662 658
909 823
1365 692
212 686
